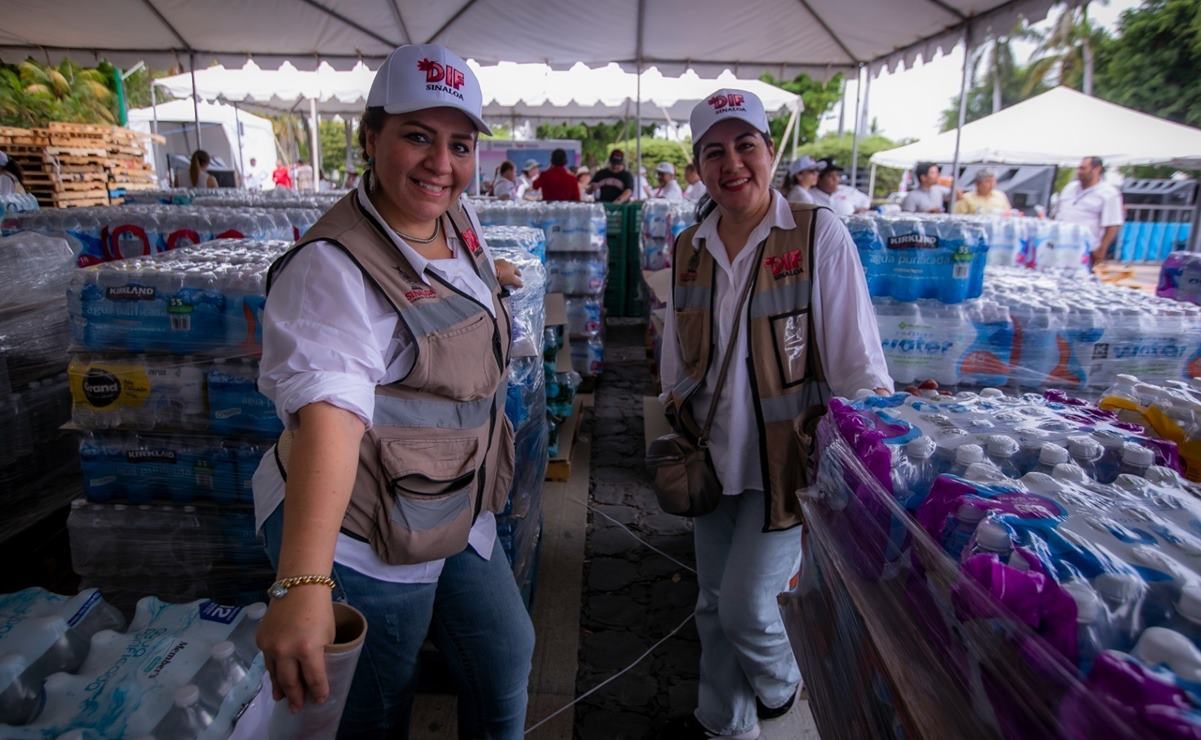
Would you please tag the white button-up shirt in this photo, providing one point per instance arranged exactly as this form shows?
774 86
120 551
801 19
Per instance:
799 194
670 191
845 200
329 335
695 191
843 321
1097 207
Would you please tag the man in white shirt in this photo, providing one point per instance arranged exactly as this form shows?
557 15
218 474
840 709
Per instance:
929 197
696 189
1094 204
254 179
525 183
830 192
668 188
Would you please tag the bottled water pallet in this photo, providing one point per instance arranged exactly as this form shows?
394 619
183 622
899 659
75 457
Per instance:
559 467
73 667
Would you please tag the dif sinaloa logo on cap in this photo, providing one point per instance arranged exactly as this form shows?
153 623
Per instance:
442 78
727 102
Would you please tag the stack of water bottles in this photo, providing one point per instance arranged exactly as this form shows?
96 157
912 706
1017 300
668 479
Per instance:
1038 557
17 203
163 383
72 667
1171 410
662 222
172 196
1180 277
1033 330
103 234
38 463
577 263
519 525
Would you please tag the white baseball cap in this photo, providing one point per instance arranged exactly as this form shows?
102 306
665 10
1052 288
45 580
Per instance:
666 168
421 76
724 104
804 163
529 165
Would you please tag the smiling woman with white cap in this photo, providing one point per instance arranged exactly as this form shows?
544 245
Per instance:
385 350
802 175
768 316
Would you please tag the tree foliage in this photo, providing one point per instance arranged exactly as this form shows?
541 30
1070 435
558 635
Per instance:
654 151
838 148
1153 64
33 94
818 98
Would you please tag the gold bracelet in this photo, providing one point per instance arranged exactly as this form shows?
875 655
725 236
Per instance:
280 588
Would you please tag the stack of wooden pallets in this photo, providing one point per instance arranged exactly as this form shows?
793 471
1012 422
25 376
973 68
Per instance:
63 165
127 167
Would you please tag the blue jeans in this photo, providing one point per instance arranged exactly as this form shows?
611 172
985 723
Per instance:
740 569
474 614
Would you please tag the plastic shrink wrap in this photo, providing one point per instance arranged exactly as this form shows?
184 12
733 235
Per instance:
73 666
519 526
1180 277
992 566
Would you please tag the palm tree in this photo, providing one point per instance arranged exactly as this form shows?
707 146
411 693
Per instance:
1066 53
67 92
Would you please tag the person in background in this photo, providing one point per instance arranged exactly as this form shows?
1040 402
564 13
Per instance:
386 347
253 179
644 185
12 180
830 192
1093 204
504 187
929 196
802 176
804 281
304 177
696 189
985 197
583 177
281 176
557 183
613 184
668 188
198 171
525 183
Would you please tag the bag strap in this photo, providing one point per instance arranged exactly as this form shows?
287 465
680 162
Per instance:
703 440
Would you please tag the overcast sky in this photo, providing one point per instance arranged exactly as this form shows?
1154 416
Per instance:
909 103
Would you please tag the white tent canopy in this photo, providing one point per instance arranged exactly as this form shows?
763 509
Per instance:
511 91
1060 126
257 139
778 36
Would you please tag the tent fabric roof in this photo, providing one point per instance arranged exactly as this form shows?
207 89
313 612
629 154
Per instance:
1060 126
782 37
522 91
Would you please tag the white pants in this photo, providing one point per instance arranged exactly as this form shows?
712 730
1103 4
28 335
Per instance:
744 649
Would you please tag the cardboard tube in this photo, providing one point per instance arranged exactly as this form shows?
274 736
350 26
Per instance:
320 721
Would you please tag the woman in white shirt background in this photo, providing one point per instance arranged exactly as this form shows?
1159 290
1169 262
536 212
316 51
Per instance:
747 669
333 339
802 175
504 187
11 178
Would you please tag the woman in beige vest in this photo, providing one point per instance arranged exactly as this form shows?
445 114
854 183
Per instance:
806 330
385 351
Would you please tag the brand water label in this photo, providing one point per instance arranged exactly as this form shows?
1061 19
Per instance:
213 612
131 293
912 241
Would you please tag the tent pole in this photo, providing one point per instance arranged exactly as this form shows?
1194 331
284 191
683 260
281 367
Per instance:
871 182
195 100
855 131
638 194
315 138
796 133
241 155
864 126
475 186
154 129
842 108
967 60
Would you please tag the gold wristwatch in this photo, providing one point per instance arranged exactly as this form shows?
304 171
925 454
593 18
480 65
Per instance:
280 588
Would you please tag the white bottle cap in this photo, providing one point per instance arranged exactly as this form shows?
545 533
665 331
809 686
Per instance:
1162 475
1084 448
1068 473
186 696
1052 454
1127 378
1017 562
919 448
1137 455
1042 483
969 512
993 536
1001 445
1088 604
1109 440
991 392
1118 587
256 611
222 650
1132 484
1162 646
983 472
1189 604
968 454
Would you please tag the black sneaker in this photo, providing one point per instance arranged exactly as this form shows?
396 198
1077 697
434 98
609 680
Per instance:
687 727
766 712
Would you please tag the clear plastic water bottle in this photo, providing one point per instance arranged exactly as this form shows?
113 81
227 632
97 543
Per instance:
967 517
993 538
1093 633
243 636
1123 594
1111 458
1002 451
1161 475
1136 459
186 719
1187 617
20 701
1161 646
913 473
67 648
219 676
1050 455
1069 474
965 456
1086 452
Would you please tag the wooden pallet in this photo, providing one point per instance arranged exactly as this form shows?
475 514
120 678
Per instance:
559 466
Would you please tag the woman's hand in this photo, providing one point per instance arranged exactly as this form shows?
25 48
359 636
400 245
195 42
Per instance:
508 274
293 636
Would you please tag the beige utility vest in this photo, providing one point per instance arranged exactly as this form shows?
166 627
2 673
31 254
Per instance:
784 366
440 449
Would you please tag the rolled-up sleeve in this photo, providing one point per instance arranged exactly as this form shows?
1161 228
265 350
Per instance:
843 317
323 330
